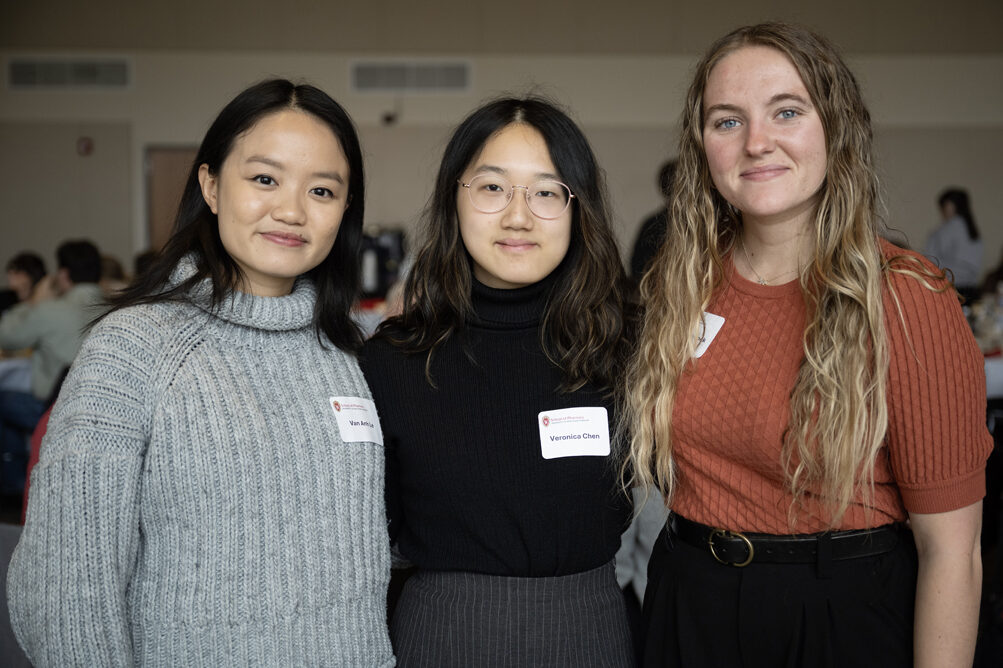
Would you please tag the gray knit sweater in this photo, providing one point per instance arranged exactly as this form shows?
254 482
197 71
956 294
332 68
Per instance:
195 504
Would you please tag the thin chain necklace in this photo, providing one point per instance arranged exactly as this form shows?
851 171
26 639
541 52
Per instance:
759 278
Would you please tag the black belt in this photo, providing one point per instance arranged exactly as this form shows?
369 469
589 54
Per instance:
740 549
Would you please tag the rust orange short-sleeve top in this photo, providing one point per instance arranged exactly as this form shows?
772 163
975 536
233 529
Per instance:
732 408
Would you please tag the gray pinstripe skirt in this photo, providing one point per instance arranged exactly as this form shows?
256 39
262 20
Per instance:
456 619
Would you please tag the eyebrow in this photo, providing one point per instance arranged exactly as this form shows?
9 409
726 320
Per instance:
483 169
779 97
332 176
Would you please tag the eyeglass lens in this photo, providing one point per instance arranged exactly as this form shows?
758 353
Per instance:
490 193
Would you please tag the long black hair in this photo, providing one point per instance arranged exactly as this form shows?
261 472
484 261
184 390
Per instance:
196 228
959 199
584 323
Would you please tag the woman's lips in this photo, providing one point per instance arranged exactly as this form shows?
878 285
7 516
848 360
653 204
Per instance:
763 173
284 238
516 244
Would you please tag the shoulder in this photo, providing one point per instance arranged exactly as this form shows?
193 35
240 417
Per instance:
390 370
896 255
909 273
378 354
141 333
922 311
146 319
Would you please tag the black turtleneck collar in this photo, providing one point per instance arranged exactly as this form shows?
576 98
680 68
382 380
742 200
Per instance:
495 308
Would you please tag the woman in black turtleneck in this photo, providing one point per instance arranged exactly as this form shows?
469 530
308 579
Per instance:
495 393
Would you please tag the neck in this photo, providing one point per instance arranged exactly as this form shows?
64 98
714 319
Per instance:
771 254
499 308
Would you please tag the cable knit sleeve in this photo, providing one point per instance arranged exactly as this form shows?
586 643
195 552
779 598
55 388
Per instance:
937 436
70 573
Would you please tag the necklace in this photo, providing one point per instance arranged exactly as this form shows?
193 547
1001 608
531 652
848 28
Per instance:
759 278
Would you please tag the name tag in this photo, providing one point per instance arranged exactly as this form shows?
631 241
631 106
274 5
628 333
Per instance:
357 420
574 432
708 328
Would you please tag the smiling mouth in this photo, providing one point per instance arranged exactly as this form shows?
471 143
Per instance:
516 244
763 173
284 238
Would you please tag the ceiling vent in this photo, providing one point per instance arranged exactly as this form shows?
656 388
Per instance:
36 73
410 77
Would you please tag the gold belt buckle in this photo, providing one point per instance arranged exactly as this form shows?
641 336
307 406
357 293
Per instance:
724 533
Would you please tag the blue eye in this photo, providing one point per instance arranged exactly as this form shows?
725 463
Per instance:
726 124
788 114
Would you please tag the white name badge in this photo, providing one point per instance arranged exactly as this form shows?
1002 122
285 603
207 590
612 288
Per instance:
357 420
708 328
574 432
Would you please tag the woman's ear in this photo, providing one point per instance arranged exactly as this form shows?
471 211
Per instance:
210 187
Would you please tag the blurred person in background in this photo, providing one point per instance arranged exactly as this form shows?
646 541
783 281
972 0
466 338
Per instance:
652 232
113 276
956 244
24 272
51 323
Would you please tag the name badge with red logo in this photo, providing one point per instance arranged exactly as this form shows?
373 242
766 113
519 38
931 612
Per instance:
574 432
357 420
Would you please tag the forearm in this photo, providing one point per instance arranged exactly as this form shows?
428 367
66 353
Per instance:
948 591
68 577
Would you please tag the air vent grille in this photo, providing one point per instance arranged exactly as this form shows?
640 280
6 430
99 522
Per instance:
400 76
75 73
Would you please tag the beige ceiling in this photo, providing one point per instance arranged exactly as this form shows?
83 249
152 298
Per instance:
500 27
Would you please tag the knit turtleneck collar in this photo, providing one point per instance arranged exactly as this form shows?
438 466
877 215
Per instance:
511 309
290 312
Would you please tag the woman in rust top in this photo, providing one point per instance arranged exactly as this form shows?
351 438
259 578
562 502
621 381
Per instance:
802 389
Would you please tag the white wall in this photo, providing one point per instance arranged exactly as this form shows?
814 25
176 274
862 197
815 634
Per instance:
938 119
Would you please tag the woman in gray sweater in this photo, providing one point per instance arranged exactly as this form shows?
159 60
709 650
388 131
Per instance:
210 490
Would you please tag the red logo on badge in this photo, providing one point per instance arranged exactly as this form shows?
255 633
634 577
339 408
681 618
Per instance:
336 405
546 421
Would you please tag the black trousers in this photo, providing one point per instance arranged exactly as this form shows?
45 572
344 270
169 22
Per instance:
853 613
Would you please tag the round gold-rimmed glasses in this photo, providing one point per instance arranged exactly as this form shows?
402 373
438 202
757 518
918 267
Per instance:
490 193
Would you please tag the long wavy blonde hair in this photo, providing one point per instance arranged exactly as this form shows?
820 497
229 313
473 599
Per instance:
838 414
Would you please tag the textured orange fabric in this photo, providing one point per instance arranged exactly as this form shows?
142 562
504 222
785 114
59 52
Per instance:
733 407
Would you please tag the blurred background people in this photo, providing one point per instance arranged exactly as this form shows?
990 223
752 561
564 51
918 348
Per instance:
24 272
652 231
992 283
956 244
50 322
113 276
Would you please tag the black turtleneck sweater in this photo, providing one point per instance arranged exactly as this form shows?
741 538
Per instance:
467 486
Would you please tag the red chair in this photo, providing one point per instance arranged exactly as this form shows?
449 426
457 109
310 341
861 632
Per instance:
36 447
